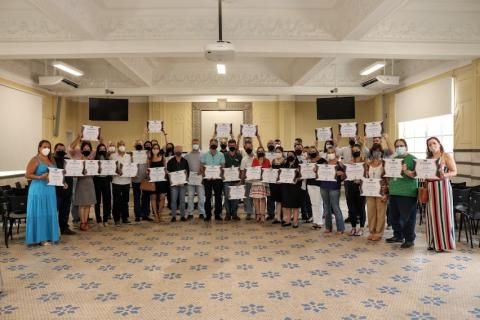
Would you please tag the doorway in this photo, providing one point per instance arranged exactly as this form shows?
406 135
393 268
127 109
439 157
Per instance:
208 120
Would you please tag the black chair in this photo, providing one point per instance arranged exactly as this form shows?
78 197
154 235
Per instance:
3 212
16 213
475 210
18 185
458 185
461 203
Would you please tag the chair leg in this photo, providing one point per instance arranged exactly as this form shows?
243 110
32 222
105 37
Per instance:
460 227
470 231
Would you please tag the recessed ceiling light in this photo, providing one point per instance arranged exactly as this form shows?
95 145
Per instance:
372 68
67 68
221 69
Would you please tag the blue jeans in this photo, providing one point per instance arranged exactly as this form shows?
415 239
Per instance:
178 193
403 211
331 201
141 201
231 206
248 202
200 190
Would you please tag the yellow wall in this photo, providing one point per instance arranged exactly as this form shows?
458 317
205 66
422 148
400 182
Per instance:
177 120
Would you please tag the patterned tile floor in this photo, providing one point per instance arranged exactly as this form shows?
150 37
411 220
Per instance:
188 270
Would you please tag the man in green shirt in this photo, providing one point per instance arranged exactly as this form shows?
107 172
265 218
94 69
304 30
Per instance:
233 158
213 158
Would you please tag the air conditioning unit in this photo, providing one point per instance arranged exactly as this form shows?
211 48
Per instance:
382 82
57 83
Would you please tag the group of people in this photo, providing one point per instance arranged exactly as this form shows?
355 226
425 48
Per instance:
49 207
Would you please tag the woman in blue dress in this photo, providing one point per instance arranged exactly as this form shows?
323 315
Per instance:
42 218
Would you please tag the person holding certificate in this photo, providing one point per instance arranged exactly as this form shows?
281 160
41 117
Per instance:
213 158
292 196
157 198
233 159
355 202
276 188
64 195
194 159
42 218
376 206
103 189
260 191
121 186
141 198
440 218
178 163
313 189
246 163
403 199
85 189
330 191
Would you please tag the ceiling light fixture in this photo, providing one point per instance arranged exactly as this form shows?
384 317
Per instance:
67 68
372 68
221 68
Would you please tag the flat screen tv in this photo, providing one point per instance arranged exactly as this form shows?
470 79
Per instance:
336 108
101 109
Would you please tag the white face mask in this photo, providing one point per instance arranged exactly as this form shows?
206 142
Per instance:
195 147
434 149
401 151
45 152
111 149
331 156
121 148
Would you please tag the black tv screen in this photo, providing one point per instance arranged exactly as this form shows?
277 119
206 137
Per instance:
101 109
336 108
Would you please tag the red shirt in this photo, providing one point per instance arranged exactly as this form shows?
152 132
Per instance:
265 163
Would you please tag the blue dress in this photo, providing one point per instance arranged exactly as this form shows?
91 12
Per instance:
42 218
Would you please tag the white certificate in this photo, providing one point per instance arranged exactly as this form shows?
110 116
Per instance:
237 192
326 172
223 130
157 174
90 133
371 188
393 168
348 129
231 174
55 177
269 175
139 156
324 134
129 170
249 130
307 170
74 168
253 173
287 175
354 171
154 126
178 178
212 172
108 167
373 129
195 179
91 167
426 168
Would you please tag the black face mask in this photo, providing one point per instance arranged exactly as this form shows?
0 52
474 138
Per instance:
248 151
356 154
102 153
178 154
169 149
290 158
298 152
313 154
351 143
147 148
86 153
260 154
271 147
138 147
60 154
223 146
232 149
161 152
213 146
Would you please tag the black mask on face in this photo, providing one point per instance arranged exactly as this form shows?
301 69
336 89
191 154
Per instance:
161 152
178 153
313 154
86 153
148 148
271 147
213 146
102 153
223 146
290 158
356 154
138 147
232 149
169 149
260 154
60 154
298 152
248 151
351 143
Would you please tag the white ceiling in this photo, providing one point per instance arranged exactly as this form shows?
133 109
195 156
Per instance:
284 47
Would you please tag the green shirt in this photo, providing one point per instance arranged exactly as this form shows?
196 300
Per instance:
232 161
406 186
208 159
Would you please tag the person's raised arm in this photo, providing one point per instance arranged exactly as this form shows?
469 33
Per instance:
76 142
165 136
390 146
260 144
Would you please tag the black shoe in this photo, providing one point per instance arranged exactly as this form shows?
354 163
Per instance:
430 249
393 240
407 244
126 222
270 218
295 226
137 219
276 221
249 217
228 218
286 224
236 218
173 219
68 232
117 223
207 219
202 216
147 219
218 218
183 219
190 217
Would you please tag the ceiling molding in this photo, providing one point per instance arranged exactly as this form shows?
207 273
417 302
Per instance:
304 70
136 69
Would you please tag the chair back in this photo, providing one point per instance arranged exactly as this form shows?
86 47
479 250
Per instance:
18 204
458 184
461 196
475 205
3 205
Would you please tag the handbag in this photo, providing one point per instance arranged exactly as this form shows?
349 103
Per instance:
423 195
147 186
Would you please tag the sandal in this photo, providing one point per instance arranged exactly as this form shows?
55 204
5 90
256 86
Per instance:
353 232
316 226
339 233
327 231
359 233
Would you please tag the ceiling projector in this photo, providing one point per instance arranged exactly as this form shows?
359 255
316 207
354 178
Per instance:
219 51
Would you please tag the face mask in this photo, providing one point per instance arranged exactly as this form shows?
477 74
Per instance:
271 147
121 148
277 145
213 147
178 153
351 143
195 147
313 154
155 151
298 152
86 153
434 149
232 149
290 158
260 154
60 153
138 147
401 151
376 154
223 146
111 149
331 156
148 148
169 149
356 154
328 146
162 152
102 153
248 151
45 152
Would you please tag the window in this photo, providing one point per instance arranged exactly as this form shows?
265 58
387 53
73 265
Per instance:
417 132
